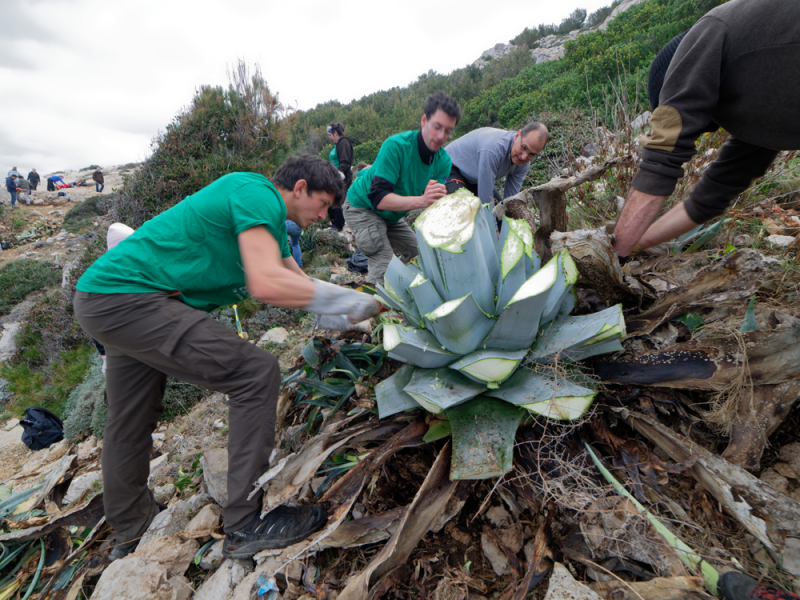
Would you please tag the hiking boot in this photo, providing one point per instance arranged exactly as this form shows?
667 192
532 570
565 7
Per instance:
122 548
284 526
736 586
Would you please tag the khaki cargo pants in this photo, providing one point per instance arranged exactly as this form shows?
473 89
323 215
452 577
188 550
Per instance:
150 336
379 240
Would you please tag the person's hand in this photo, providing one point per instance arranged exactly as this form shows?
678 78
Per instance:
330 299
363 307
433 191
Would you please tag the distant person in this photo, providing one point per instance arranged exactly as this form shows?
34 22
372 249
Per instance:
294 232
25 188
51 182
11 186
721 75
99 182
486 155
14 171
408 173
341 157
33 179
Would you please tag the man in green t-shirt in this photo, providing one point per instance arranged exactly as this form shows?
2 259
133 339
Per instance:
146 301
408 173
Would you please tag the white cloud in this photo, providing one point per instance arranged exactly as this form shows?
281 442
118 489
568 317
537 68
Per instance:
92 82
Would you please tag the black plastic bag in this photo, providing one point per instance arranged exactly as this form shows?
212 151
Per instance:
357 263
42 428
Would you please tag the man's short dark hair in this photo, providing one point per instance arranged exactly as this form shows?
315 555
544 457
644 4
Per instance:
535 126
320 175
441 100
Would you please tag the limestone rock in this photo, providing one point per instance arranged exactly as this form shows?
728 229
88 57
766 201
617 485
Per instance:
547 54
157 465
564 587
204 522
81 484
8 340
198 501
781 241
621 7
215 473
87 449
134 578
171 552
167 522
213 557
181 586
276 335
495 52
164 493
221 584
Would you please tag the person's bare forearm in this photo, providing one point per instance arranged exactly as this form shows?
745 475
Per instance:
671 225
397 203
639 212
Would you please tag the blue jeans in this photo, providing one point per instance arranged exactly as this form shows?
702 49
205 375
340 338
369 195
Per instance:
99 187
14 197
294 232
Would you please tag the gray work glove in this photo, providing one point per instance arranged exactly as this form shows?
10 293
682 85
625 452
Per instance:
342 323
330 299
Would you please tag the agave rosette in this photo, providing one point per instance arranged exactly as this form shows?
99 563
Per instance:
483 319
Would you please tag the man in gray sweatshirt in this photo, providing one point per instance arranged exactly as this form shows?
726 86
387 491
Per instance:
738 68
486 155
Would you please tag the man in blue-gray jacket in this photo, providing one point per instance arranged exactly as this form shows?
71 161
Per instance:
486 155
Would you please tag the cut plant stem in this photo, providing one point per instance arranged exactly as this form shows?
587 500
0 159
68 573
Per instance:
490 367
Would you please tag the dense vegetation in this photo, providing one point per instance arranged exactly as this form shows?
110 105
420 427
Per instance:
601 71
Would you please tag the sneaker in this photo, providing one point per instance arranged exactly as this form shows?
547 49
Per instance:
736 586
284 526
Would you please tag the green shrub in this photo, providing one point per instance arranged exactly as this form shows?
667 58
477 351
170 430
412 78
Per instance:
81 215
47 387
21 277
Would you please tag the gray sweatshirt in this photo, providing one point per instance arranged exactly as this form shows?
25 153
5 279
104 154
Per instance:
738 67
483 156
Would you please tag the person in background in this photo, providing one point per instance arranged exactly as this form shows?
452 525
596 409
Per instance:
25 188
486 155
295 232
341 157
33 179
408 173
14 171
51 182
736 68
11 186
99 182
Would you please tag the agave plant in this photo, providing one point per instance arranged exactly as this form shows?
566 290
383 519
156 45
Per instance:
485 324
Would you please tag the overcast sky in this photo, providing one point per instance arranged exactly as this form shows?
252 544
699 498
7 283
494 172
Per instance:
93 81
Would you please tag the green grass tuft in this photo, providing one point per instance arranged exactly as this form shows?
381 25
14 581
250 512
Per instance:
21 277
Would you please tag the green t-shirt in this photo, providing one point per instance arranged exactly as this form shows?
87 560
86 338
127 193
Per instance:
333 157
193 247
399 162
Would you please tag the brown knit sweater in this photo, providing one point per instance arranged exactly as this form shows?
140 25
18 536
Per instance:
739 67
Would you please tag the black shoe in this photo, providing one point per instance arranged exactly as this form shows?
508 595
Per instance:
736 586
121 548
284 526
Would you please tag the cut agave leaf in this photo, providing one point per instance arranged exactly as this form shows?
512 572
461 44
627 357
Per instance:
518 324
425 295
439 389
512 264
547 393
389 394
483 437
389 297
487 230
604 347
415 346
490 367
452 253
560 339
438 428
460 325
562 288
397 279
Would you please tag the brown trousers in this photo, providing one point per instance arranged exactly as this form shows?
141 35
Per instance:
150 336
